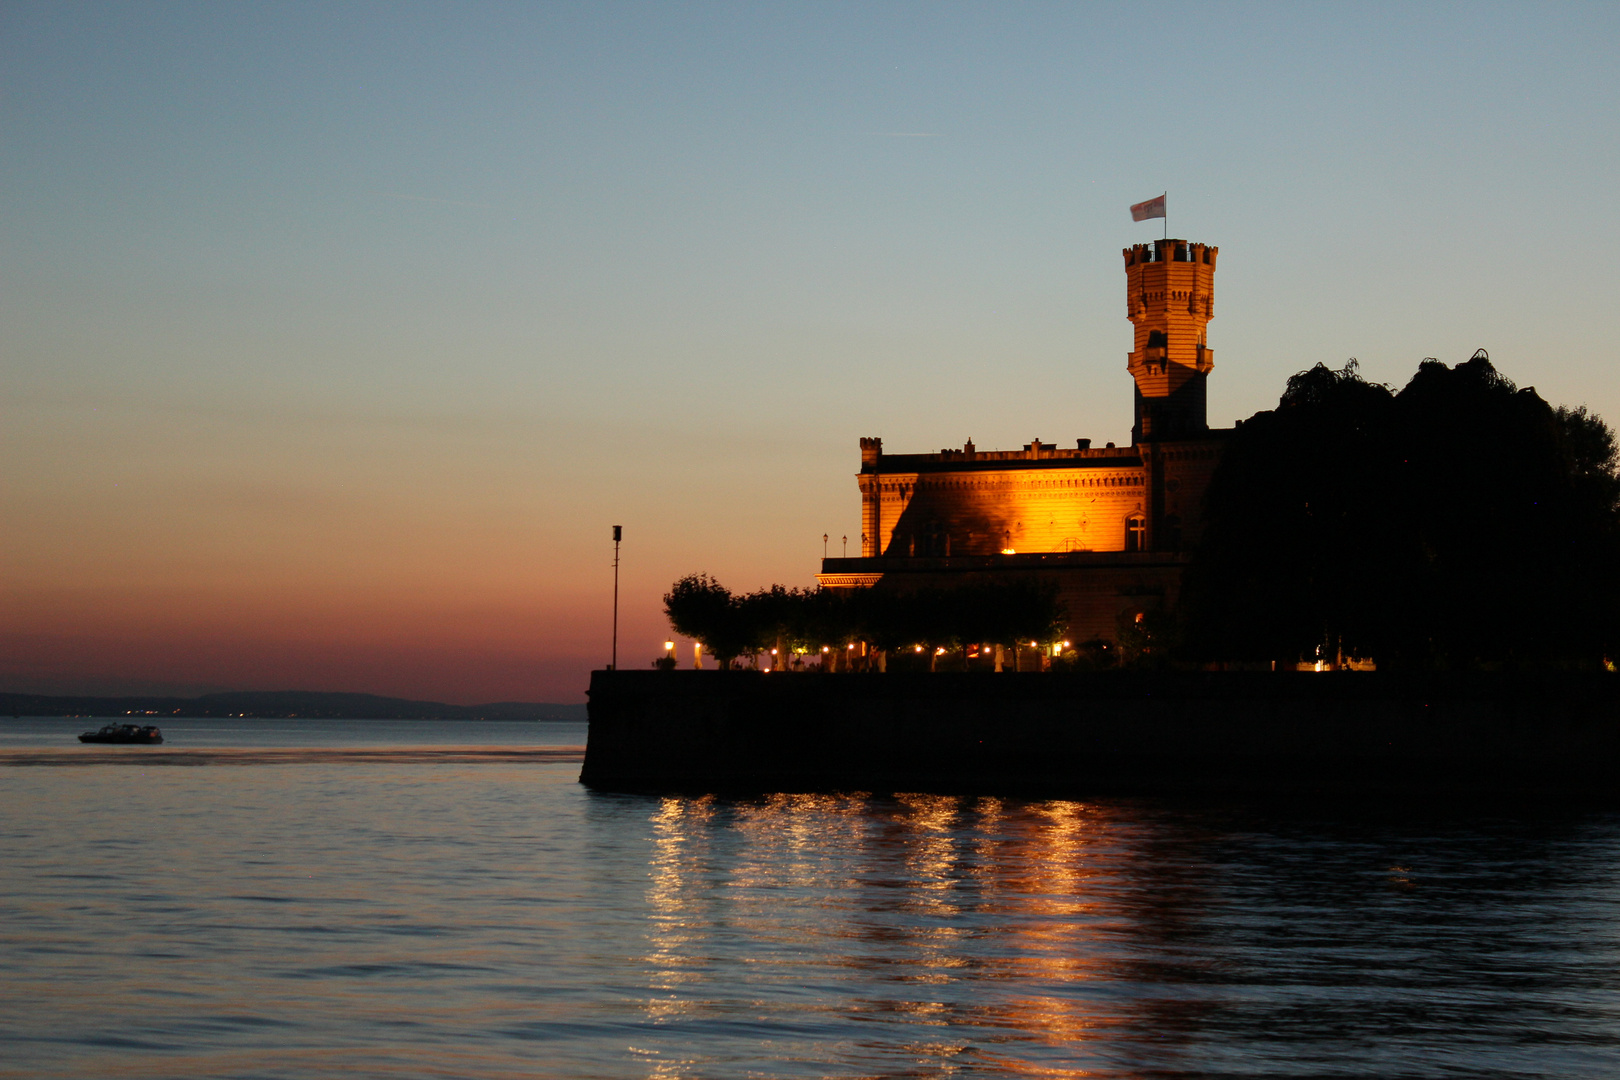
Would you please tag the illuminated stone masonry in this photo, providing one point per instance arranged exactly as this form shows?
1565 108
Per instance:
1109 525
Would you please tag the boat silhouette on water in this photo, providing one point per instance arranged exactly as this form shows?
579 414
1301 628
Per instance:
124 733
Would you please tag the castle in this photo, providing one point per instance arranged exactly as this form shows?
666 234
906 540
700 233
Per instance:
1108 526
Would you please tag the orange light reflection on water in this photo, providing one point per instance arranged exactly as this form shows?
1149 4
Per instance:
919 895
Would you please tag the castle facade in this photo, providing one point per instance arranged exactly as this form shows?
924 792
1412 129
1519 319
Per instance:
1109 526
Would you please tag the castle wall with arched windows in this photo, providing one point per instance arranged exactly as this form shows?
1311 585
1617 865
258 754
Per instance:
1038 499
1108 527
932 507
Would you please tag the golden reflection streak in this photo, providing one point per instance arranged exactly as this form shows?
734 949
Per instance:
1054 895
1056 884
1033 870
670 928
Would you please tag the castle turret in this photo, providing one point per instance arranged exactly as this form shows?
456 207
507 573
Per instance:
1170 297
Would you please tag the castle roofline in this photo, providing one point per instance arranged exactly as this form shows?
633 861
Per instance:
1031 457
1034 455
926 463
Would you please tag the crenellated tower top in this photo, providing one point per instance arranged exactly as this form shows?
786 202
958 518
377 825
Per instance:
1170 298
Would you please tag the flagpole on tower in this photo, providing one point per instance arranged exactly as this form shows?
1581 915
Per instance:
1166 198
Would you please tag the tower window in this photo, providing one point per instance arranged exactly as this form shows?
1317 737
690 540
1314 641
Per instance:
1135 533
1157 340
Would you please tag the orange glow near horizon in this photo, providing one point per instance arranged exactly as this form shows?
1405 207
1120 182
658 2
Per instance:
438 559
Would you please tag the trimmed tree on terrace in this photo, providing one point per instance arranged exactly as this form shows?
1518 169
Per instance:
730 625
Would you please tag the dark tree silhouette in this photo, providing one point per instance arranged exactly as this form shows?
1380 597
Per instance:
1460 523
701 608
730 626
994 613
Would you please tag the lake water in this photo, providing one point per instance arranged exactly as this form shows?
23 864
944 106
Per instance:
499 920
61 733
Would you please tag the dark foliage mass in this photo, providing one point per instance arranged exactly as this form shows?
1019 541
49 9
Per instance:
1461 522
731 625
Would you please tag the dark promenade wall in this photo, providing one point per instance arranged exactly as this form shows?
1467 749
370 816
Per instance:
1353 733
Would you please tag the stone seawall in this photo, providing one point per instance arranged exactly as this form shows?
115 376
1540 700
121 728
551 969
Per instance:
1113 733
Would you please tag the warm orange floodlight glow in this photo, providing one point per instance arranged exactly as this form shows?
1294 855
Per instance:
1008 551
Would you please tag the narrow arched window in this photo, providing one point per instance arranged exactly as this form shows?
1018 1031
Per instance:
1135 533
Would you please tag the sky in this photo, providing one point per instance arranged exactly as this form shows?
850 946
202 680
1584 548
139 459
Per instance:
334 338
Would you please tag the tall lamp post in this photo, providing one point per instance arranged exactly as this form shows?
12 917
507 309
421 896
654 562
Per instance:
618 532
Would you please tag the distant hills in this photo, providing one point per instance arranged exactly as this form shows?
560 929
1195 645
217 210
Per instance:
285 705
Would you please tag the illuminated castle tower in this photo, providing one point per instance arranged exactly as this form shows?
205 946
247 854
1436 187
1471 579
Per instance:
1170 297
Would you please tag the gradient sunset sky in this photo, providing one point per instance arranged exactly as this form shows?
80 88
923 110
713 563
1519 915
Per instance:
334 337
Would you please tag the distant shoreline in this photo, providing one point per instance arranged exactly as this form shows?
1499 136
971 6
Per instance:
280 705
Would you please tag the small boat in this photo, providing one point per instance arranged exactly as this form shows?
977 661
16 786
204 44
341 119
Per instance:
124 733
